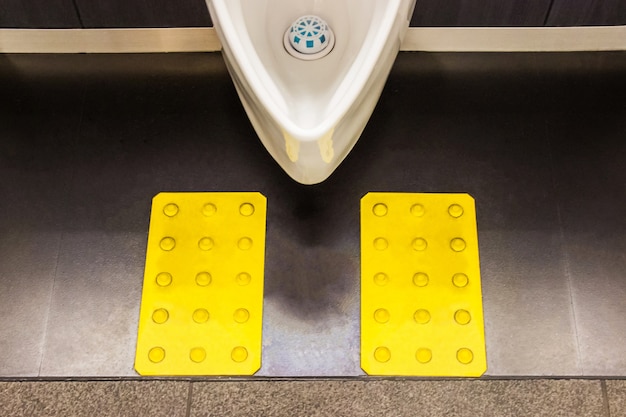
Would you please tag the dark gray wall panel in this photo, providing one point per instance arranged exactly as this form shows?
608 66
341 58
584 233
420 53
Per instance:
38 14
143 13
587 13
480 13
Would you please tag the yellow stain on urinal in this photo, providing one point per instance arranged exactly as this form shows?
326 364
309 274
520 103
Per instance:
292 147
326 146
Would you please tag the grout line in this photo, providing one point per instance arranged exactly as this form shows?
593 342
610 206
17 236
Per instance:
301 379
68 191
77 9
564 250
548 12
605 398
44 336
189 399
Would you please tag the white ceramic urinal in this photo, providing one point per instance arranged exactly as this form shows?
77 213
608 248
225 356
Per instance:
310 72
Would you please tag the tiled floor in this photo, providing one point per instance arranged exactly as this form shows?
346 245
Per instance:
339 397
538 140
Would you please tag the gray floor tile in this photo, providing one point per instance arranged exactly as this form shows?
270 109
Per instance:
30 236
590 180
399 398
311 317
92 330
154 145
599 300
616 393
66 399
491 125
27 265
529 326
39 118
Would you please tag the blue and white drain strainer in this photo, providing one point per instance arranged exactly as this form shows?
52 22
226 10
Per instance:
309 38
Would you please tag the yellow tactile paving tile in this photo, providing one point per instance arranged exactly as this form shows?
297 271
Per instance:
421 299
202 301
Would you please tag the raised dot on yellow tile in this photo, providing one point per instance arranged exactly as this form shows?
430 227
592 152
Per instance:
241 315
465 356
462 317
243 278
239 354
170 210
245 243
455 210
246 209
423 355
419 244
381 279
457 244
420 279
156 354
203 279
197 354
460 280
380 243
206 243
418 210
382 354
382 316
209 209
167 243
380 210
163 279
160 316
422 316
200 316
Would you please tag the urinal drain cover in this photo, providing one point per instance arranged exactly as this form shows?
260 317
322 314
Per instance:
309 38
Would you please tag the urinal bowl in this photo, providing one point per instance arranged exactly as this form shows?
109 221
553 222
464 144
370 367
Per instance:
310 113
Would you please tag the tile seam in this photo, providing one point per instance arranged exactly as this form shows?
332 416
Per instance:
605 398
67 192
189 399
566 257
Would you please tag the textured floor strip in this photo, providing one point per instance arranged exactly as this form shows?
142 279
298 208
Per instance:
201 309
421 299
